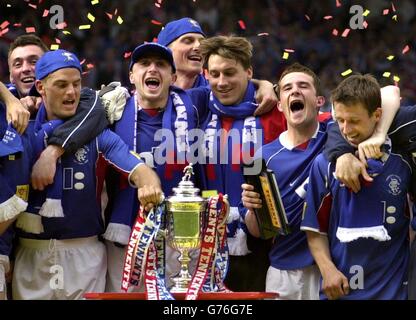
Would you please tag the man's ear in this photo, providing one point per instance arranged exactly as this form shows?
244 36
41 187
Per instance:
40 87
377 113
279 106
320 101
250 73
174 77
131 77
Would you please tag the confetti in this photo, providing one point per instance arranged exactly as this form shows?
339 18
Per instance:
396 78
119 20
406 49
61 25
84 27
307 17
290 50
386 74
263 34
393 7
346 72
45 13
386 12
158 23
394 17
127 54
115 12
345 33
94 2
30 29
242 24
285 55
82 62
4 24
90 17
109 15
335 32
57 40
391 57
365 24
9 5
66 32
338 3
90 65
34 6
4 31
328 17
54 46
18 25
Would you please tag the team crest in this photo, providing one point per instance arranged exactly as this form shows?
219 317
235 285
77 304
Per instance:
68 56
394 184
81 155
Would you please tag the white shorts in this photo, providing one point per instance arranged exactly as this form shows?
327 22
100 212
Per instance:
299 284
58 269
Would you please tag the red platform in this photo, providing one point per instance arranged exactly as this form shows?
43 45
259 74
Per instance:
181 296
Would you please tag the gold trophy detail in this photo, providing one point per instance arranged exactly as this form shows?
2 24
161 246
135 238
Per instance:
185 222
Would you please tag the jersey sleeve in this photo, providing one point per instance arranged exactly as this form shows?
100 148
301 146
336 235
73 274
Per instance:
318 198
84 126
336 145
117 153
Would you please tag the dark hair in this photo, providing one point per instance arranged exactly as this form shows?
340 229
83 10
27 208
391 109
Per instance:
230 47
297 67
363 89
26 40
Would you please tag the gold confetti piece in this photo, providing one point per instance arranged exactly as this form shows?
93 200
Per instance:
346 72
386 74
285 55
54 46
396 78
366 13
345 33
406 49
390 57
119 20
84 27
90 17
386 12
94 2
394 17
66 32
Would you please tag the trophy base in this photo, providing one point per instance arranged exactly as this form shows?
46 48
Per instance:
181 284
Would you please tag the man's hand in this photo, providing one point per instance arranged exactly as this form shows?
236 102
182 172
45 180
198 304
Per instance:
335 284
113 97
370 148
31 104
43 172
17 115
149 190
251 199
265 97
348 171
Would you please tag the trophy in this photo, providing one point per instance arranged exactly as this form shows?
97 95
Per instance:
271 217
185 223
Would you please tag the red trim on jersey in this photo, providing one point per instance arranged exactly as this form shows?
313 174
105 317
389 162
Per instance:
324 212
273 123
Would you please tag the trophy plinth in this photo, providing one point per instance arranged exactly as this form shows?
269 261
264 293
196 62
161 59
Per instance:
185 222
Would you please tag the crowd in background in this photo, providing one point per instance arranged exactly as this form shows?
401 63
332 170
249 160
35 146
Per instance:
304 27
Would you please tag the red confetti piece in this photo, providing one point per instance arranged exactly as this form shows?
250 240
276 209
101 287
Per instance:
45 13
85 72
4 31
109 15
335 32
338 3
158 23
90 66
17 25
406 49
57 40
127 54
263 34
289 50
4 24
328 17
365 24
242 24
157 5
30 29
386 12
307 17
345 33
82 62
393 7
115 12
154 39
34 6
61 25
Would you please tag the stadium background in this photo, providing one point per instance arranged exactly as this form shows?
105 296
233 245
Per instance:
282 32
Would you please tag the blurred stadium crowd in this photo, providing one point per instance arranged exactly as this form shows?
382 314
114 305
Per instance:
304 29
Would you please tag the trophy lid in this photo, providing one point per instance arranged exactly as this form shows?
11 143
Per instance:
186 188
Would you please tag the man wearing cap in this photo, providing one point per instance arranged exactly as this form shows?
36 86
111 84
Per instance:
157 109
59 255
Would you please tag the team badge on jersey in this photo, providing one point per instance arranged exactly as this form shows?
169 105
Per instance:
394 184
81 155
